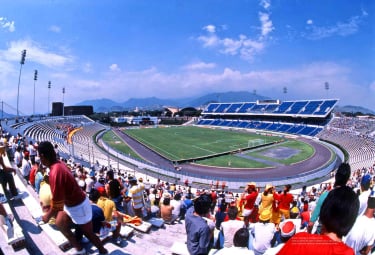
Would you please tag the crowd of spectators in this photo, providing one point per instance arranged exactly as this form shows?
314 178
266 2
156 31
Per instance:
267 220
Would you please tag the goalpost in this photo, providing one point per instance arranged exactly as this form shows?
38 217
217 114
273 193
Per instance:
255 142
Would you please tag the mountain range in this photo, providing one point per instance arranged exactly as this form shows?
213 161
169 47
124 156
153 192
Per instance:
152 103
104 105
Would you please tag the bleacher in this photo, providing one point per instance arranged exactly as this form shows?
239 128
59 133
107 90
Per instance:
303 108
303 117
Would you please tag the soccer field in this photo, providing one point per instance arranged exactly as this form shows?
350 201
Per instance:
188 142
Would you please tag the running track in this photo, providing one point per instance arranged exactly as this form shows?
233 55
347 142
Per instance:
321 157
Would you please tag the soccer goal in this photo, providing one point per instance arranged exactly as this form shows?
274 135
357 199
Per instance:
255 142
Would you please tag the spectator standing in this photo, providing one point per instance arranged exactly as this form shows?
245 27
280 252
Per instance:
198 232
341 178
365 193
337 215
362 235
18 156
266 199
286 199
69 202
6 176
249 197
26 167
34 168
136 195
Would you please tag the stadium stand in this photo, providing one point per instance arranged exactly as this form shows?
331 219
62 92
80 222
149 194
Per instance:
356 135
307 117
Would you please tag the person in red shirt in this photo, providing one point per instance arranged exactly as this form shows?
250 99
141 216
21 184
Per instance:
249 197
338 214
305 215
286 200
69 202
34 168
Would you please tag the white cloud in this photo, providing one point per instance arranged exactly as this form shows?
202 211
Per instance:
210 28
266 23
266 4
339 29
114 67
246 48
302 82
309 22
210 40
199 66
55 29
9 25
34 53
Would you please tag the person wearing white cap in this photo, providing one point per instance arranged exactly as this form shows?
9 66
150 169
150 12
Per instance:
286 230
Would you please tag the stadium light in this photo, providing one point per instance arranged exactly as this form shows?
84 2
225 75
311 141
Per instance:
326 87
22 62
49 89
35 79
63 91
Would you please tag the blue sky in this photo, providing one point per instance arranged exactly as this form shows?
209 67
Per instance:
119 49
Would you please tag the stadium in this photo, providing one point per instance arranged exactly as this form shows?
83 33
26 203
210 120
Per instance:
229 145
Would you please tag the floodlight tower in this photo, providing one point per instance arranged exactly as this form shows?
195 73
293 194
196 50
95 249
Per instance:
63 91
22 62
49 89
35 79
326 86
285 91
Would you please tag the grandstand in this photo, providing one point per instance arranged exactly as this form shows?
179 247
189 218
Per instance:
305 117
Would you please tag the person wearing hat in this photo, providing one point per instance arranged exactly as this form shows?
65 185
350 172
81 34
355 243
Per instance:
337 216
263 232
248 199
365 193
90 182
362 235
266 198
286 230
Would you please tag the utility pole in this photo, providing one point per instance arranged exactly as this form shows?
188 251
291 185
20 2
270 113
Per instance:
63 91
22 62
49 90
35 79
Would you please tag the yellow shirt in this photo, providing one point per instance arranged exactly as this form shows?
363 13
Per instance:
108 207
266 202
